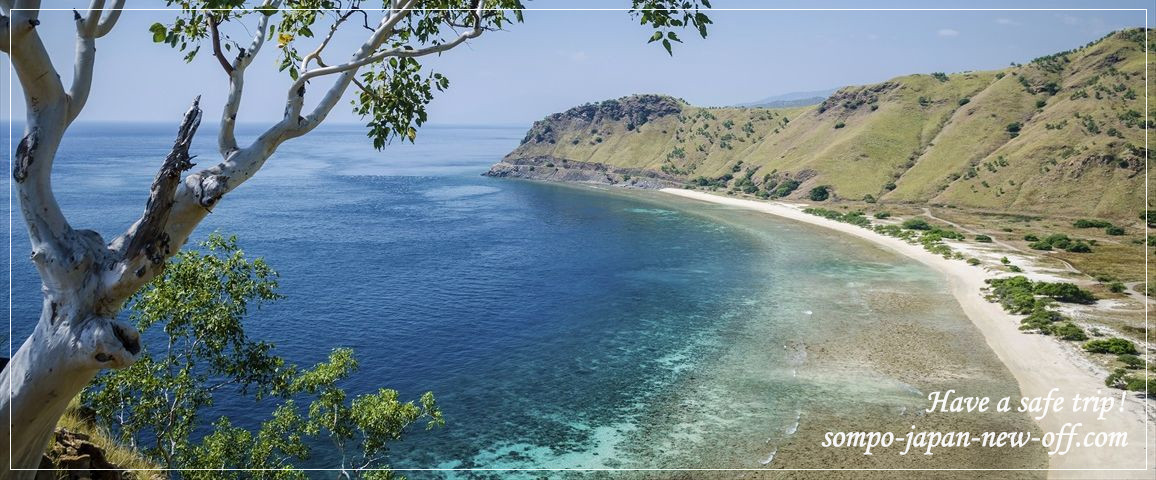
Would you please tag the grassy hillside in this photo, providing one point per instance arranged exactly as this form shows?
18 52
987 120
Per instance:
1062 134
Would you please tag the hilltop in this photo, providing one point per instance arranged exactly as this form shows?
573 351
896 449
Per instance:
1061 134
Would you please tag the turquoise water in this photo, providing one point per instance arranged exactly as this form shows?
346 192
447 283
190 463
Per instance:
558 326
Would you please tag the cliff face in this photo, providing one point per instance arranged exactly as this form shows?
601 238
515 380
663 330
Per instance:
1062 134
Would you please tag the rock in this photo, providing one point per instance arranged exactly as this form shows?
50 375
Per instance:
74 457
635 110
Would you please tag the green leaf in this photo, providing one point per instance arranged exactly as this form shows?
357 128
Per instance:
159 33
666 45
656 37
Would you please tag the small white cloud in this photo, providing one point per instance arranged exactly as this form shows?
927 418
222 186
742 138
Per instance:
947 32
1007 21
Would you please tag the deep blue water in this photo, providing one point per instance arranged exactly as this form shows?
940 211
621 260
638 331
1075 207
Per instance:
525 307
558 326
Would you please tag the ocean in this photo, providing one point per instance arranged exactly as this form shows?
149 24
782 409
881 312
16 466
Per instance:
558 325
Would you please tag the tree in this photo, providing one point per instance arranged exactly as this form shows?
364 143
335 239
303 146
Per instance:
86 279
199 303
819 193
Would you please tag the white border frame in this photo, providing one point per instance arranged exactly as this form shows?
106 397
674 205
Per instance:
11 157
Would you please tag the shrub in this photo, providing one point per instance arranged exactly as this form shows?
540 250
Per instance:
1064 292
1117 287
1013 129
1116 378
840 124
916 224
882 215
973 261
891 186
1014 294
983 239
964 101
1005 261
1015 269
785 188
1114 345
1114 230
1131 361
1085 223
1136 383
1031 238
1149 216
869 198
1057 240
1039 246
819 193
1068 331
1079 247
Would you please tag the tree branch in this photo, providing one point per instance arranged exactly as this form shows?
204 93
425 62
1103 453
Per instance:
215 35
226 139
87 30
86 26
146 246
109 20
53 240
293 125
316 53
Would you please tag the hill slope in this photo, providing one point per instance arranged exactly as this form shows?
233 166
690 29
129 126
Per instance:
1062 134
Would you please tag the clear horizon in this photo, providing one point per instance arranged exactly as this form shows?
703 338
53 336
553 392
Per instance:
748 56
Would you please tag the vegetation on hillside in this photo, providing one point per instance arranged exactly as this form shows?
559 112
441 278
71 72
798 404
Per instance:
1063 133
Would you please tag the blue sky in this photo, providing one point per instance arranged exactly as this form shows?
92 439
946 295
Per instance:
560 59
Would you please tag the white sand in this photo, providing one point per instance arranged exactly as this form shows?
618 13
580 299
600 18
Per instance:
1039 363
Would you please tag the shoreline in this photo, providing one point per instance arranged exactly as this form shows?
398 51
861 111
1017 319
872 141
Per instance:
1037 362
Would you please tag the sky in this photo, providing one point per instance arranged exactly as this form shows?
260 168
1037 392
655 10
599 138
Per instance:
559 59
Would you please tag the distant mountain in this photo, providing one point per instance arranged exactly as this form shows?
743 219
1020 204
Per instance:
793 99
1063 134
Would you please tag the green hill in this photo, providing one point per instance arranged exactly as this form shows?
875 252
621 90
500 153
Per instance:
1062 134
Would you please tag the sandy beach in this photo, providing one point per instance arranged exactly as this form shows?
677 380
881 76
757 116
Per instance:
1038 363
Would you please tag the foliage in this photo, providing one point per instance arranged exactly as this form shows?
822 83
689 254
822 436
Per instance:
1018 294
973 261
854 218
668 15
1013 293
1060 241
1114 230
1131 361
882 215
1067 331
785 188
916 224
1149 217
983 239
1114 345
820 193
1013 129
1085 223
1064 292
393 89
199 304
